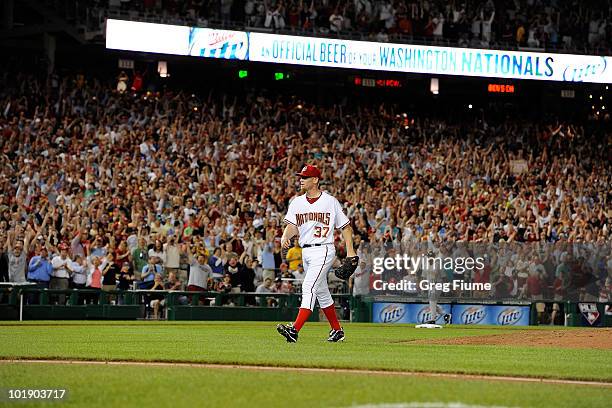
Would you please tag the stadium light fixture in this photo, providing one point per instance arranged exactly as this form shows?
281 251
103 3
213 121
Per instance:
434 86
162 69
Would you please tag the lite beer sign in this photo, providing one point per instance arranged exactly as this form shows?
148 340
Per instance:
392 313
509 316
473 315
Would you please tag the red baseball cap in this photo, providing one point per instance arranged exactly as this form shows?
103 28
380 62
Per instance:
310 171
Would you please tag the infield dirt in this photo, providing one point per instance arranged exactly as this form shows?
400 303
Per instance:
584 338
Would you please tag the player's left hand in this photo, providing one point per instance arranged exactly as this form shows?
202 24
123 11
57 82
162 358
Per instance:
348 267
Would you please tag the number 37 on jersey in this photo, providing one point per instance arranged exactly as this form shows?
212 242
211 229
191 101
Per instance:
316 220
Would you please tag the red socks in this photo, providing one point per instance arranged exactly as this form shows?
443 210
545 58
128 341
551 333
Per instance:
304 314
330 313
301 318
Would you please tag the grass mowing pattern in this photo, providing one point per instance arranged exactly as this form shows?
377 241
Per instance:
368 346
125 386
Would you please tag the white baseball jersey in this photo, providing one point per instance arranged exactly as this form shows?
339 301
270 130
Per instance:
316 221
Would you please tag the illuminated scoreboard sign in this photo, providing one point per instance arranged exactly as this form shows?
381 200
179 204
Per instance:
377 83
500 88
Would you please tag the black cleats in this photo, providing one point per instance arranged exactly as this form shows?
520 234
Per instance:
336 335
288 332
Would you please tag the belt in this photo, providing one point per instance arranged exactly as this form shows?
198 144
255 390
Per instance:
313 245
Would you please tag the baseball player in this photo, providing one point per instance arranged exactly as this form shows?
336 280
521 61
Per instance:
314 216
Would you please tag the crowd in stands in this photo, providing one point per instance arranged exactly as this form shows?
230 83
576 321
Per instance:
104 189
552 24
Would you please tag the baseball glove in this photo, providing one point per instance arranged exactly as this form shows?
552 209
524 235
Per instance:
349 264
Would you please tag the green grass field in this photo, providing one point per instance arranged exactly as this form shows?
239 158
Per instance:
368 346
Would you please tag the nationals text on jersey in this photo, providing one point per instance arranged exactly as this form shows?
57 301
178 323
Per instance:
323 218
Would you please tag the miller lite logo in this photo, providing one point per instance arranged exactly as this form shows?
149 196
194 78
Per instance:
582 72
509 316
425 314
473 315
205 42
392 313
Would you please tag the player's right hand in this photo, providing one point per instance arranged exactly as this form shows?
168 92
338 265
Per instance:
285 243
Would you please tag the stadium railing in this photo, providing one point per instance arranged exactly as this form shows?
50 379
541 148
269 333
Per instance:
42 304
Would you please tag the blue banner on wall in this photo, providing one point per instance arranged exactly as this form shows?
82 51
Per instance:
407 313
462 314
489 314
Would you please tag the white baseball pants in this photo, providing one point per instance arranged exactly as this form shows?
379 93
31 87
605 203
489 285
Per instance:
317 262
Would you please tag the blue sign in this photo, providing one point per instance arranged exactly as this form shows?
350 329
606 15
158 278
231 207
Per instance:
462 314
408 313
491 314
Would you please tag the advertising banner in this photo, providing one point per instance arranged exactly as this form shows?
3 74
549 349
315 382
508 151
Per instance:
176 40
491 314
407 313
336 53
418 313
325 52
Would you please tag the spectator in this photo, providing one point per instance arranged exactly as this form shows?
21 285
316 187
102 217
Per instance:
246 271
438 27
231 268
40 271
359 283
61 273
225 286
173 255
17 251
122 253
156 299
148 273
336 21
217 263
266 287
199 273
109 276
78 267
94 279
124 278
294 256
158 252
140 257
285 272
268 261
299 273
